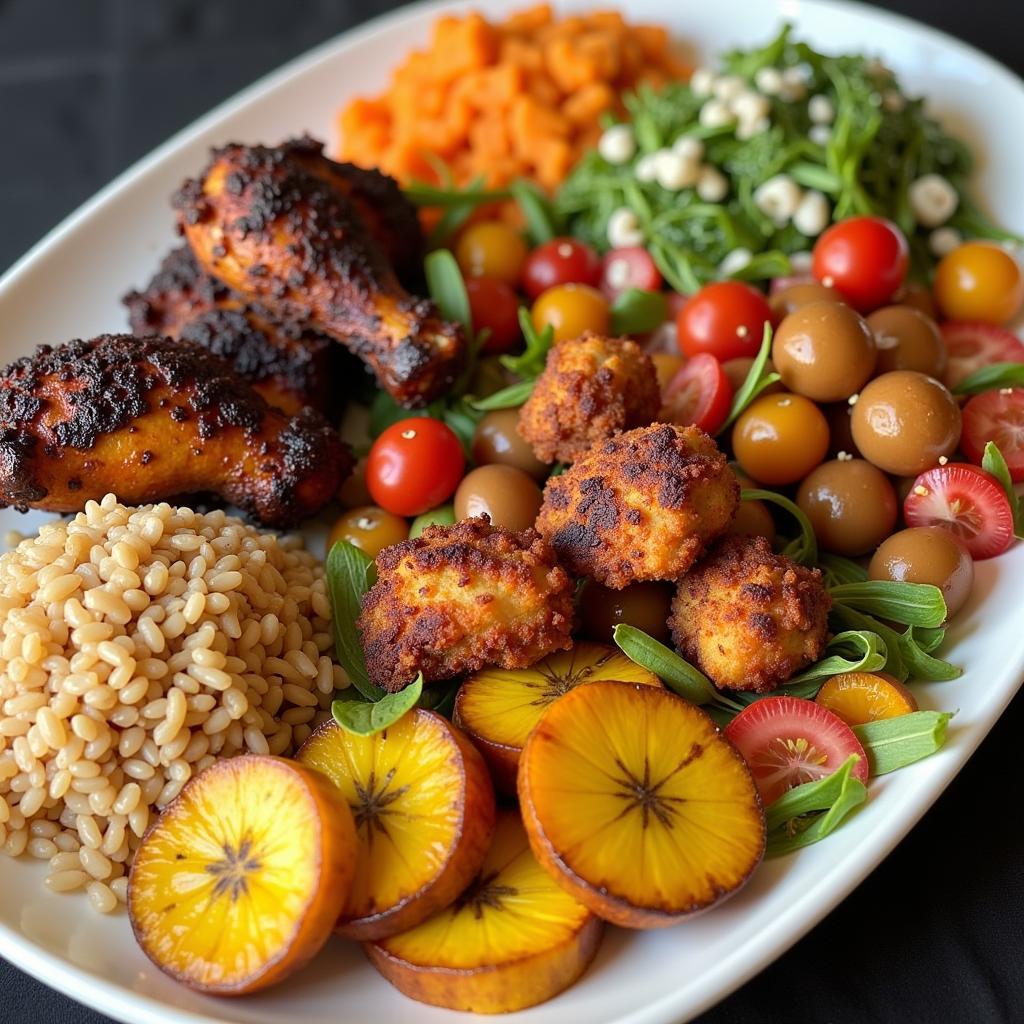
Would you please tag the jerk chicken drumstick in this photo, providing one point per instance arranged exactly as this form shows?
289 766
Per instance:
153 418
276 226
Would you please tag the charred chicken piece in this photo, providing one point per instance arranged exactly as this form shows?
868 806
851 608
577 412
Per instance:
278 234
152 419
289 365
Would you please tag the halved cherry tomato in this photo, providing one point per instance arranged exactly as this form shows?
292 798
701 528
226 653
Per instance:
979 281
560 261
699 394
996 416
414 465
725 319
972 345
965 500
864 258
787 741
630 267
859 697
494 307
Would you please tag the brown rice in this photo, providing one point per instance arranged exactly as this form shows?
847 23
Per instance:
137 646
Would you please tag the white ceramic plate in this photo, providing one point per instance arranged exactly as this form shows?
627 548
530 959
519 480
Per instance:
69 286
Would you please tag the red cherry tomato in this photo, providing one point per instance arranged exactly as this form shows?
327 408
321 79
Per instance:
699 394
560 261
972 345
627 268
787 741
414 465
494 307
864 258
966 501
725 319
996 416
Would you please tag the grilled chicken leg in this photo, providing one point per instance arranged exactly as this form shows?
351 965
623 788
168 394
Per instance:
280 232
152 419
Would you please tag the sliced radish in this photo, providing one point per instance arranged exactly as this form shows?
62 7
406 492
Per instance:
968 502
787 741
972 345
699 394
996 416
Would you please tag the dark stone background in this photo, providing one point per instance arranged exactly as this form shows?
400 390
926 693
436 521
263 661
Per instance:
88 86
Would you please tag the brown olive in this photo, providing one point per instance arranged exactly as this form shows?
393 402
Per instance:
737 369
927 554
851 505
913 293
510 497
354 492
904 422
824 351
789 299
906 339
644 605
496 441
840 429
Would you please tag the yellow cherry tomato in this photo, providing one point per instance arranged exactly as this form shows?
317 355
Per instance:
491 249
780 438
859 697
666 365
979 281
369 528
571 310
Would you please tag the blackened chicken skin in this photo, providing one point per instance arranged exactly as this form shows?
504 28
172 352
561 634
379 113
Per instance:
289 365
270 229
152 419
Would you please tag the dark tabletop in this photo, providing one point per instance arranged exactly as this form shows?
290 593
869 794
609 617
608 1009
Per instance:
88 86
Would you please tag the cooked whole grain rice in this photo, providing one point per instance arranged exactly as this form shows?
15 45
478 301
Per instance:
137 646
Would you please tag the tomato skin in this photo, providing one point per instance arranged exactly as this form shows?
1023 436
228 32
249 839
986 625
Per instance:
996 416
968 502
571 310
779 438
725 319
490 248
560 261
979 281
630 267
414 466
864 258
699 394
368 528
787 741
971 345
494 307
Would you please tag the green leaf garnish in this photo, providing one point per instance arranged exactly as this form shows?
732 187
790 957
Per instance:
892 743
991 378
542 222
365 719
912 604
637 311
836 569
529 363
992 461
447 288
854 650
757 379
507 398
804 549
808 813
443 515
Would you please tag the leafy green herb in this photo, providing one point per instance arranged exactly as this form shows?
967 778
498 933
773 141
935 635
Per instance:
447 288
810 812
461 416
757 380
443 515
992 461
804 549
892 743
348 578
912 604
835 569
507 398
365 719
542 222
440 697
530 362
991 378
637 311
854 650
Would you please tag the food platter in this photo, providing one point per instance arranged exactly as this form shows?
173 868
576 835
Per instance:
658 976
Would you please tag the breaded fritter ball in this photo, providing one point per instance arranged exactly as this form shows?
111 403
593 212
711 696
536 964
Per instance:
749 618
460 598
591 389
640 506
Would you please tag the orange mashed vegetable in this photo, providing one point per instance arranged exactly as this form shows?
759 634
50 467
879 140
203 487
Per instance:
518 98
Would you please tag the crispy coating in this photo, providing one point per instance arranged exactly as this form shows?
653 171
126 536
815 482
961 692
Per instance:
592 388
749 618
152 419
270 224
640 506
460 598
288 364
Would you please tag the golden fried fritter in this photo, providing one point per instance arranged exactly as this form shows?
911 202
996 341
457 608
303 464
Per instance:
591 389
749 618
459 598
152 419
640 506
